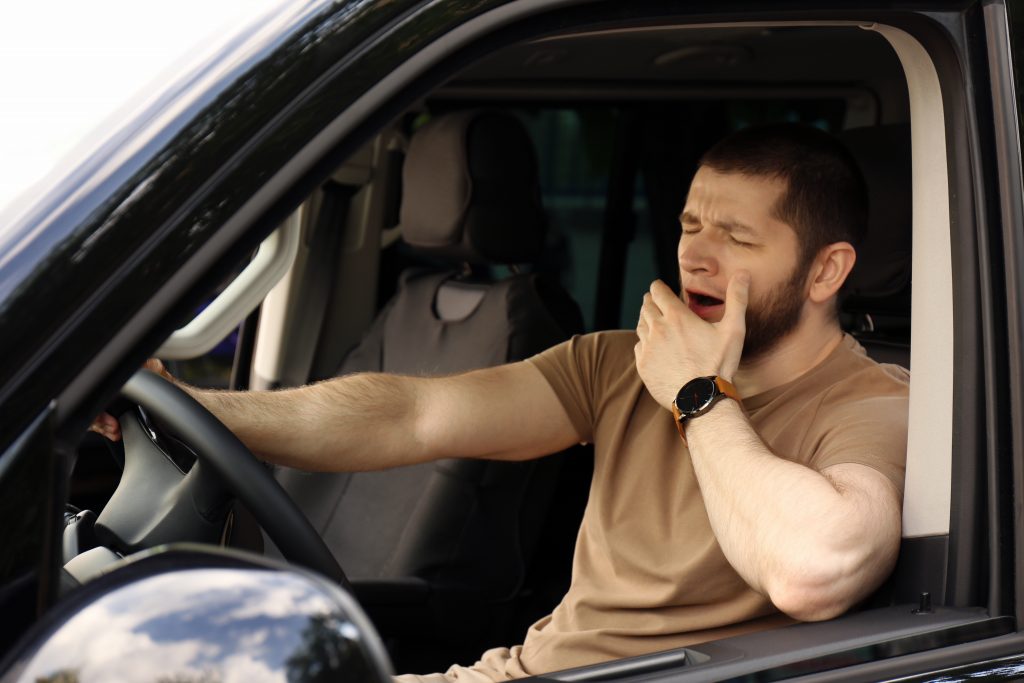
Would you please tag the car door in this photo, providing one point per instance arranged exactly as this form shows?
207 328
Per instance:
243 153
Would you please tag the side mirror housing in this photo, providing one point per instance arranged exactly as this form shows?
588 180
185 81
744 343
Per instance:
193 613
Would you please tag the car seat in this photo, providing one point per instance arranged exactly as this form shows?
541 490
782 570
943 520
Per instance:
876 304
441 550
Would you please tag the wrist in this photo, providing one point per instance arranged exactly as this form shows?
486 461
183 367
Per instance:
698 431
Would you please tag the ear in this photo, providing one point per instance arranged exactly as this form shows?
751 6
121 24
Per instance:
829 271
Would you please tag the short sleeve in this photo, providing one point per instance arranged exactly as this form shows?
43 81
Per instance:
866 430
578 371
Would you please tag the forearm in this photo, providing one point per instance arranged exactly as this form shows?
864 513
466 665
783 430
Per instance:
787 529
354 423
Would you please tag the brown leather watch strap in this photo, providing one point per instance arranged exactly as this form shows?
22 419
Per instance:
727 388
678 418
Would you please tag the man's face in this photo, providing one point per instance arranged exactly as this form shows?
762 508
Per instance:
728 226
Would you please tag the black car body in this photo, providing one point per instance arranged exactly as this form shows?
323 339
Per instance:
101 264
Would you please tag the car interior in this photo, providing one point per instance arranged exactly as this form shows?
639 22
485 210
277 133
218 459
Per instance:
531 195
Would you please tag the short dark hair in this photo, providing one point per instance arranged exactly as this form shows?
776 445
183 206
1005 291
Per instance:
825 200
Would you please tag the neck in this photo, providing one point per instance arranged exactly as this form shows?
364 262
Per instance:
796 353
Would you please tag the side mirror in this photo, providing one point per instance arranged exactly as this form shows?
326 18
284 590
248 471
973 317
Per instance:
192 613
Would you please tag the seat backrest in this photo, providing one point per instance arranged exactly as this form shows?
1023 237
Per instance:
471 198
876 304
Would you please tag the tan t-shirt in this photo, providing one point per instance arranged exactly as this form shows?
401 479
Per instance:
648 574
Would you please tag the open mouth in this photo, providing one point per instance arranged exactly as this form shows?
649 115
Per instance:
706 306
705 300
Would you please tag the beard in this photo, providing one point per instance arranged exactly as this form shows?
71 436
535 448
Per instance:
775 315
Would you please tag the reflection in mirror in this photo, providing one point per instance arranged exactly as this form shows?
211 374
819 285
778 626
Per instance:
206 625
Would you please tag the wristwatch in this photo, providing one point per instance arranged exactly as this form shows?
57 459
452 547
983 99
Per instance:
697 397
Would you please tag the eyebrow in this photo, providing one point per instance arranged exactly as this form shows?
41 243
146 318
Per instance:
729 225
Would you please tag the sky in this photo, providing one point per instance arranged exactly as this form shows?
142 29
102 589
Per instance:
65 65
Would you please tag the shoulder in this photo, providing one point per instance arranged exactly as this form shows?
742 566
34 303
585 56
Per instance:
608 347
861 418
583 370
848 378
856 377
591 360
851 394
863 398
614 344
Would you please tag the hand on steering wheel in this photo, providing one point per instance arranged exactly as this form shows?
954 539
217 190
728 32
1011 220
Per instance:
224 466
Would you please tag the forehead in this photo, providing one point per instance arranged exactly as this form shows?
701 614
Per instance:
734 197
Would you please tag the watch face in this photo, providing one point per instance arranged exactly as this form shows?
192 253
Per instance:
695 396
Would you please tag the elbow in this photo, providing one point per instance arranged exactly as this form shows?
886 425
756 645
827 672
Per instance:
805 602
824 575
817 593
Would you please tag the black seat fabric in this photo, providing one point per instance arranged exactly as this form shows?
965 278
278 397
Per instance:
876 305
430 546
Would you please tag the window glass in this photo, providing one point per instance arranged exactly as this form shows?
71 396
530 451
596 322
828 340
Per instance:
574 156
212 370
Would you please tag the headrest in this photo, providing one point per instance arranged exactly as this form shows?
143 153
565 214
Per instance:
883 259
470 190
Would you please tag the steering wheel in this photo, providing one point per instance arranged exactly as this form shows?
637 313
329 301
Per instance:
160 501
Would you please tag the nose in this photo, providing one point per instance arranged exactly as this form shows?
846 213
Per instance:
696 254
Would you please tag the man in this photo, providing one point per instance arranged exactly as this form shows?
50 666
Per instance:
766 492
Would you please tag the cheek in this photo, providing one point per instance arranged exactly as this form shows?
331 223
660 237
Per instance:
768 270
729 262
757 296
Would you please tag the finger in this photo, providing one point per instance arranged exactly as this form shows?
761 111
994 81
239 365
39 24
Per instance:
155 365
736 298
649 308
649 314
106 425
642 324
642 329
663 297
